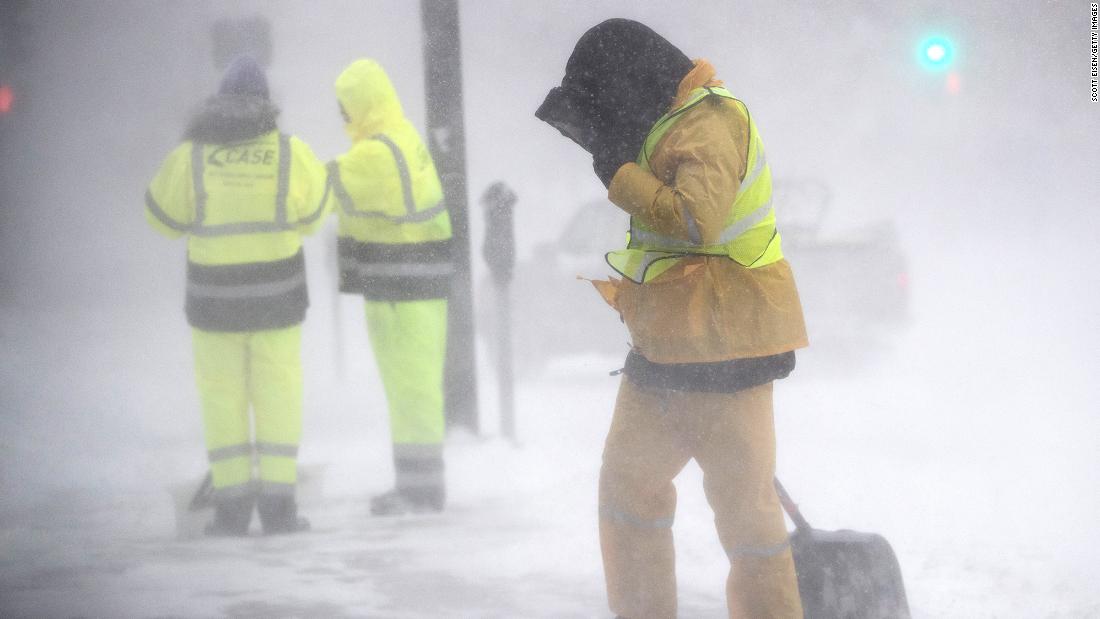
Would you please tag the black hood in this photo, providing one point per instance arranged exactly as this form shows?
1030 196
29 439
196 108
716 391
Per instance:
224 119
621 78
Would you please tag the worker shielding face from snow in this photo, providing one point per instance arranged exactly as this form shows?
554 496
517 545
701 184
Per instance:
712 310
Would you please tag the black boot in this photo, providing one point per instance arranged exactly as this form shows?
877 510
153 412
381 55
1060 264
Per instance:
279 514
401 501
231 517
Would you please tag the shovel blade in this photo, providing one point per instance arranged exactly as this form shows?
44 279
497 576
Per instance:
848 575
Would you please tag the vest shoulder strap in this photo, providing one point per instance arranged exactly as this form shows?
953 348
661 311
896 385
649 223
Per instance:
664 123
411 214
402 170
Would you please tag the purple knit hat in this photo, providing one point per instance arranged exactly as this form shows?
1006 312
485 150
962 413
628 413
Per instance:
244 76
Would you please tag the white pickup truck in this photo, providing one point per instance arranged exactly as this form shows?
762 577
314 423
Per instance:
853 288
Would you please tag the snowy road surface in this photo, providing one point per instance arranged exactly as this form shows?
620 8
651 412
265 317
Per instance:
969 439
978 463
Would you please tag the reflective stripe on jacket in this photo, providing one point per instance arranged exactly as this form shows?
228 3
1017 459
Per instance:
244 207
702 308
247 297
395 231
748 237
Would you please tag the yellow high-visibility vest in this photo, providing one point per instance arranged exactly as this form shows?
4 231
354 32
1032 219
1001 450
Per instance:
244 207
394 238
749 238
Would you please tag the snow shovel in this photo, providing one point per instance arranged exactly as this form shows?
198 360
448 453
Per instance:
204 494
194 507
844 574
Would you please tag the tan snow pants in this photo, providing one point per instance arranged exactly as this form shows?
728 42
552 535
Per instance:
654 433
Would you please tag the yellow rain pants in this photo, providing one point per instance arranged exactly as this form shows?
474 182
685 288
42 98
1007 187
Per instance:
654 433
261 369
409 339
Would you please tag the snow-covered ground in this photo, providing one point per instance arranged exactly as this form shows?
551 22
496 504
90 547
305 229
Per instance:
969 440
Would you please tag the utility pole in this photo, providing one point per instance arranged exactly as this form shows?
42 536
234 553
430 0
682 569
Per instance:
447 143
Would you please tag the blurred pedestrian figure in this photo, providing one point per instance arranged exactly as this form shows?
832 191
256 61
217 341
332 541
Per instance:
394 244
711 306
244 194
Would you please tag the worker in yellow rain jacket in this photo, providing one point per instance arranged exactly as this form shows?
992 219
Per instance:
711 306
395 250
244 194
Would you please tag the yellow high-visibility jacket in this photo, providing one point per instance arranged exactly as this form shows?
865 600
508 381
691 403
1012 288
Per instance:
395 231
705 308
244 206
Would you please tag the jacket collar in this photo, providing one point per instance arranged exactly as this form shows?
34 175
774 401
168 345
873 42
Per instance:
224 119
700 76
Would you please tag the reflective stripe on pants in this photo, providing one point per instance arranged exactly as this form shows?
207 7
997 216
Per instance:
653 435
418 466
261 370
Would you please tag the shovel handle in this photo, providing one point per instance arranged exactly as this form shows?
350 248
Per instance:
791 507
203 494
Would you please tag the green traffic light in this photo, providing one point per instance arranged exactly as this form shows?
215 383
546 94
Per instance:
936 53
